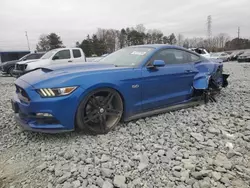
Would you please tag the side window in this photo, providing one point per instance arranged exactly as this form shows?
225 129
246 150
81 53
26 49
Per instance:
175 56
31 56
191 57
171 56
180 56
63 54
76 53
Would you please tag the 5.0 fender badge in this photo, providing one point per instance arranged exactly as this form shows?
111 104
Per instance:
135 86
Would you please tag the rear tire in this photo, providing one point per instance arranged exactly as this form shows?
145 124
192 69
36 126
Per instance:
100 111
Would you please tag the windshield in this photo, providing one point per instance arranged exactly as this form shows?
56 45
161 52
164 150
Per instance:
215 55
24 57
127 57
49 54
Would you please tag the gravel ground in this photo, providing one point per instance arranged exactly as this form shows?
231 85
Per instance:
201 147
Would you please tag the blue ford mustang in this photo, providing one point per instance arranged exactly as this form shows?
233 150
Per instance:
130 83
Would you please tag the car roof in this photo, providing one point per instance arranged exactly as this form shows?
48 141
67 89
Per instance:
159 46
66 48
38 53
58 49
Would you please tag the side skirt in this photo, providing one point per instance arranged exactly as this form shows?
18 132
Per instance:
167 109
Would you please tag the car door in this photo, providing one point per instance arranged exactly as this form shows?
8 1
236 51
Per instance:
62 56
168 85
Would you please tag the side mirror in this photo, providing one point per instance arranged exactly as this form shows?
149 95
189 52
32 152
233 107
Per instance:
158 63
55 57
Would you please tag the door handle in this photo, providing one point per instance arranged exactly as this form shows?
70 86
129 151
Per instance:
188 71
69 61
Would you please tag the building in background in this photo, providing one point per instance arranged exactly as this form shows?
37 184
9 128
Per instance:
11 55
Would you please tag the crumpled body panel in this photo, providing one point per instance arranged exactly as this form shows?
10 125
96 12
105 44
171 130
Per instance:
201 81
215 77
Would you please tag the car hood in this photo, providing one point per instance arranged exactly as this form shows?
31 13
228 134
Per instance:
58 75
28 61
10 62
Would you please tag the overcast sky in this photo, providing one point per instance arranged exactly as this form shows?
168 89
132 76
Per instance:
74 19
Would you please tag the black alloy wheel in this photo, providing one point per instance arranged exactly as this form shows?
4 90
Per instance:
100 111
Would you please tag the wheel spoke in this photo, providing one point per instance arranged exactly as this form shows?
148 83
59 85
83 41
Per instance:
102 122
90 117
108 99
94 102
113 112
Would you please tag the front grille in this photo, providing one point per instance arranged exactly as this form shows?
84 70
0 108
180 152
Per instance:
21 67
22 95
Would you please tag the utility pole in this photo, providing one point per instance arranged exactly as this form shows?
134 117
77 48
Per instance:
238 32
26 34
209 30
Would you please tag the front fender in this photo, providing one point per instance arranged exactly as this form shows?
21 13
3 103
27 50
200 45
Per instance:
201 81
98 86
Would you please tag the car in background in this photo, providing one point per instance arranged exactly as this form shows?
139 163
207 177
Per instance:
220 55
128 84
234 56
245 57
8 67
202 51
55 56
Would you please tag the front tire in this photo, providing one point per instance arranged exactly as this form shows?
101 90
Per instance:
100 111
10 71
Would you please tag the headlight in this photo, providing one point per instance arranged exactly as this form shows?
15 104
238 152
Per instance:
56 92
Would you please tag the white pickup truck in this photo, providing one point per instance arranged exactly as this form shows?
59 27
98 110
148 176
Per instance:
56 56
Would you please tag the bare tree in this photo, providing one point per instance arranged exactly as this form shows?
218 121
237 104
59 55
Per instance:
180 40
222 39
110 38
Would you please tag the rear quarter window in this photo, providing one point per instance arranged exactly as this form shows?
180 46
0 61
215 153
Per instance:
76 53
